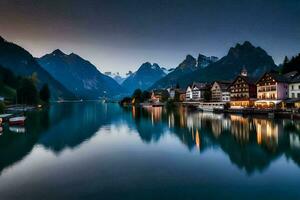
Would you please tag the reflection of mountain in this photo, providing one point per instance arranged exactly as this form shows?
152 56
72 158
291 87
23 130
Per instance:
80 125
251 144
62 126
147 124
15 146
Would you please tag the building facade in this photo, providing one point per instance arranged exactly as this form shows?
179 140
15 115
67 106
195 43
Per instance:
272 89
242 91
294 87
220 91
198 91
189 93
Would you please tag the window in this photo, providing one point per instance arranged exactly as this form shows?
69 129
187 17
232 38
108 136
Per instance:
298 95
299 87
292 87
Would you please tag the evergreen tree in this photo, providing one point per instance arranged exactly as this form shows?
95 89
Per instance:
136 96
27 92
45 93
145 96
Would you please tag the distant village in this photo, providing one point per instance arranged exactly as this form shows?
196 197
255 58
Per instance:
272 91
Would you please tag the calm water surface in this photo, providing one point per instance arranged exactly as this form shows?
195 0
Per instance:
102 151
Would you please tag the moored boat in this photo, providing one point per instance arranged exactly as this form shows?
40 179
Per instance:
17 129
20 120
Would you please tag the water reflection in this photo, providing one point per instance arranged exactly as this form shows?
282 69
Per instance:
251 143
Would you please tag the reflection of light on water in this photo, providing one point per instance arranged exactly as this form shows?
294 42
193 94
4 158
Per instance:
258 130
133 112
171 120
197 139
267 132
294 141
240 127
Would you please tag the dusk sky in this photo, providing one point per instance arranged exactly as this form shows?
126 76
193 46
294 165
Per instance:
120 35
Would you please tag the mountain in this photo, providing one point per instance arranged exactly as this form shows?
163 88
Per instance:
116 76
189 65
144 77
203 61
79 75
254 59
22 63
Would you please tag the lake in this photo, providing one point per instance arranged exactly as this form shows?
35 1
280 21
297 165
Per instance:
91 150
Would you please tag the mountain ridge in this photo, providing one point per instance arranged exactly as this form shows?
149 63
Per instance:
22 63
79 75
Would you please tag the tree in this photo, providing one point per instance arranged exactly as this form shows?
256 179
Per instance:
207 95
27 92
145 96
45 93
136 96
292 64
164 95
177 96
286 60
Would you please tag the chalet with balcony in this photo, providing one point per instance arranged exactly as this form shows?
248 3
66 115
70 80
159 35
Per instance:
242 91
220 91
198 91
272 89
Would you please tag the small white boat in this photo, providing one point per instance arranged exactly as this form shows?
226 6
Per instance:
17 129
17 120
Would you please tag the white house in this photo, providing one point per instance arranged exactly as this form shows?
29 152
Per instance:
198 90
294 87
188 94
220 91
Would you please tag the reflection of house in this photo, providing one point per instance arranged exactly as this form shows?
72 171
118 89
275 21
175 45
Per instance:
242 91
220 92
240 128
198 91
267 132
272 88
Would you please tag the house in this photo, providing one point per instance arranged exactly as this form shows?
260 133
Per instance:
181 94
294 92
158 96
189 93
220 91
272 89
198 91
242 91
177 91
294 87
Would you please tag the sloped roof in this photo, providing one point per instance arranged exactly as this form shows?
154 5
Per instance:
224 85
200 85
296 79
276 76
249 80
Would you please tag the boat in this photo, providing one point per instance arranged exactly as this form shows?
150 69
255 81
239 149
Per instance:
20 120
17 129
211 106
4 118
